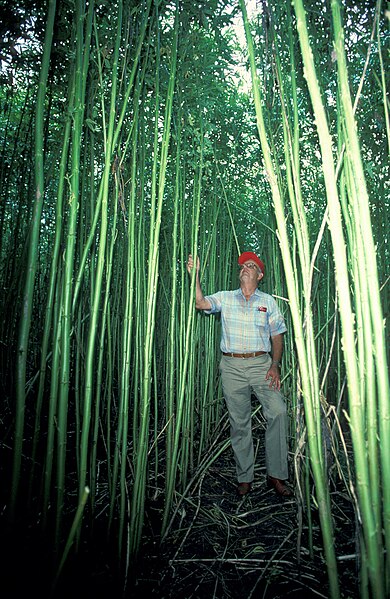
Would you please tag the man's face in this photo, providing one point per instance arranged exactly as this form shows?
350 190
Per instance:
250 272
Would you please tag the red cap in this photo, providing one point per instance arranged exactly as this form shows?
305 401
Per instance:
251 256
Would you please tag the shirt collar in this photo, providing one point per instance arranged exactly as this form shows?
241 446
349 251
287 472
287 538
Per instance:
240 293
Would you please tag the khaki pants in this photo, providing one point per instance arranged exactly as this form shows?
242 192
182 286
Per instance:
240 378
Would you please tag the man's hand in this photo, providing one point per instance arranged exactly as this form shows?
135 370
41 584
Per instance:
273 375
200 302
190 264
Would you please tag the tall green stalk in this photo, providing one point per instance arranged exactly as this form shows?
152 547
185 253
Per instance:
343 288
97 294
53 281
375 331
187 352
172 341
311 402
138 496
81 67
32 260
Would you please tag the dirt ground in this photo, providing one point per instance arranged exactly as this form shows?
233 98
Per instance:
218 546
223 546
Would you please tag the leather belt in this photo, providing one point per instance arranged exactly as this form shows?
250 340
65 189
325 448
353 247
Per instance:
252 354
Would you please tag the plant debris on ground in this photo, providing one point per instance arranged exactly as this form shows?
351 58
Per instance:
218 545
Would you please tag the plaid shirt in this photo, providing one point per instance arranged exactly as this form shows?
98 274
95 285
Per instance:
247 325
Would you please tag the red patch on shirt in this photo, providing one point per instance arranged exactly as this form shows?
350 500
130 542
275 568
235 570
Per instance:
262 309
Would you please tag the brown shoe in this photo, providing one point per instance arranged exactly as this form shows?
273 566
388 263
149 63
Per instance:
280 487
243 488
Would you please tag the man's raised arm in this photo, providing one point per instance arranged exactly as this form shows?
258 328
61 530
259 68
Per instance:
201 303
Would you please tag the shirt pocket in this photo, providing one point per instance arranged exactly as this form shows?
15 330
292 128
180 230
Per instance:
261 319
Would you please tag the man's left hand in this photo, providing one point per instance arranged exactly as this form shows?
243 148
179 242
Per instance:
273 375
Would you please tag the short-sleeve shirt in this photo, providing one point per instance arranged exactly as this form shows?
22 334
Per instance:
247 325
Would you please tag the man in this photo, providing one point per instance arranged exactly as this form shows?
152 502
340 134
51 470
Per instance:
252 328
